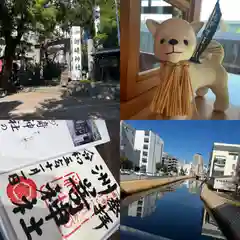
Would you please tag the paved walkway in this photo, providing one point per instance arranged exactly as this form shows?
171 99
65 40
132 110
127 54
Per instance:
51 103
226 214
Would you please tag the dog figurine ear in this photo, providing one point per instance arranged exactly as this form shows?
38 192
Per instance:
197 26
152 26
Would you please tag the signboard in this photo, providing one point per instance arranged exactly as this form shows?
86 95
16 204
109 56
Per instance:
226 184
76 53
25 142
70 197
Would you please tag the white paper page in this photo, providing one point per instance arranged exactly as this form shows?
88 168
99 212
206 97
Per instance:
25 142
85 165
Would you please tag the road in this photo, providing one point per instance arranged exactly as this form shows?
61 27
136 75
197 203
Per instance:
135 177
51 103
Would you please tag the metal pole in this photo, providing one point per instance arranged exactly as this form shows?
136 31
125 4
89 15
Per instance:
118 25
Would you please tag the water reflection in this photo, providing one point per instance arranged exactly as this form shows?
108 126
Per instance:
145 206
194 186
178 207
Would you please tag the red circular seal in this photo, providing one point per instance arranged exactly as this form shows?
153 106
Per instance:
25 188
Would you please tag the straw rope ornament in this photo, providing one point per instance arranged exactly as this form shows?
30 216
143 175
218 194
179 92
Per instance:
173 96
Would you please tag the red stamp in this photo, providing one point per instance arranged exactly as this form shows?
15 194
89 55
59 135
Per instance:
25 188
75 222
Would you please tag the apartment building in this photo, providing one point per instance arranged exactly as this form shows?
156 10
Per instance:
127 140
151 147
169 161
222 165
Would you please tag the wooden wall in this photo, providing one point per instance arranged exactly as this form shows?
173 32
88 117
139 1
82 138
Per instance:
137 88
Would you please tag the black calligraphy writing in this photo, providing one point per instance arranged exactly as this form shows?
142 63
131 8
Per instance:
103 177
21 207
50 193
34 226
114 206
103 216
59 211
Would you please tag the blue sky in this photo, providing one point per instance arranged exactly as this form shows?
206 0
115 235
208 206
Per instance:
185 138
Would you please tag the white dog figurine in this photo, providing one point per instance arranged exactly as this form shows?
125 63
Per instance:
175 41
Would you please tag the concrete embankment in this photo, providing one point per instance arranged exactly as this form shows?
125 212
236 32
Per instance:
134 186
225 214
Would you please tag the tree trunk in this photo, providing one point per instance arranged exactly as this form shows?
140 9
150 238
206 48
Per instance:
6 84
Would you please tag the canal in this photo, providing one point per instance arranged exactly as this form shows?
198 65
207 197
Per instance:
174 212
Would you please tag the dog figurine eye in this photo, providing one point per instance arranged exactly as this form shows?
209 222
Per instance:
185 42
162 41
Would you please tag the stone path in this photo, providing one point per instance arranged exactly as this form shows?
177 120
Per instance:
51 103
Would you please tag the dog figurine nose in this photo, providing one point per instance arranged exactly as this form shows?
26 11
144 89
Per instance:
173 41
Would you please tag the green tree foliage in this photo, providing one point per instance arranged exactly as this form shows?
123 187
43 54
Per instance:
137 169
164 169
182 172
159 166
19 18
108 34
175 170
126 163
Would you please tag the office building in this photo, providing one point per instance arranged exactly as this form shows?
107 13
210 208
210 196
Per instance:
150 146
198 164
223 165
127 139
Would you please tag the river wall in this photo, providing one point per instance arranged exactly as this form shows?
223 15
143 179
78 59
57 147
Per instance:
225 214
134 186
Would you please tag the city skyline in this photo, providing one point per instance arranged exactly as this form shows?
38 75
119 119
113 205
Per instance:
183 139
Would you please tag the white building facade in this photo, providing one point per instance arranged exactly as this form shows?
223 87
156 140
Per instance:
223 160
127 140
151 147
222 165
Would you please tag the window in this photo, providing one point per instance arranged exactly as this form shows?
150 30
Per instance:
146 140
144 160
139 208
145 154
234 155
233 167
219 160
159 11
147 133
145 146
217 174
139 214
